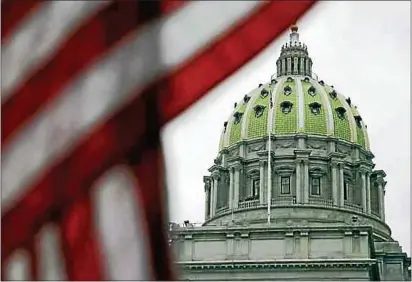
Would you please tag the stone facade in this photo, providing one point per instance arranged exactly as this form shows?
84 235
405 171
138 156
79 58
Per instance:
316 212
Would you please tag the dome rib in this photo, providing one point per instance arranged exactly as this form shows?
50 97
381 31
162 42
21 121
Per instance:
301 102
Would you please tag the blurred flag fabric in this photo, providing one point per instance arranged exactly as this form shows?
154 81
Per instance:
86 87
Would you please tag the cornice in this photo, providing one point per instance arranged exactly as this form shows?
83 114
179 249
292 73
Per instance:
279 264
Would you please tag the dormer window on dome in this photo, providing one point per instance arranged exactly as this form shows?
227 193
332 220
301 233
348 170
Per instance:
312 91
349 101
286 107
246 99
287 90
340 112
358 120
264 93
260 85
259 110
273 81
289 79
238 117
307 79
315 108
333 94
322 83
235 105
224 126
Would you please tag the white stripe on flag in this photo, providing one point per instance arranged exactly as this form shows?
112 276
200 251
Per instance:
51 261
39 37
119 219
17 266
107 85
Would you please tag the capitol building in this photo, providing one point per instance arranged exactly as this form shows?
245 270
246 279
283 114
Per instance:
292 193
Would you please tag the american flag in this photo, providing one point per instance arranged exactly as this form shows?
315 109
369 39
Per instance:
86 88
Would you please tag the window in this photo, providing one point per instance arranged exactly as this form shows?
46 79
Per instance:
259 109
315 108
237 117
358 120
285 185
264 93
312 91
286 107
345 190
341 112
315 186
255 188
287 90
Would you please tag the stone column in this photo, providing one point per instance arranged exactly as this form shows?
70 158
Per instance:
231 186
335 196
341 186
302 65
215 191
381 199
289 66
306 181
262 182
295 65
298 182
368 193
364 199
236 187
212 193
207 201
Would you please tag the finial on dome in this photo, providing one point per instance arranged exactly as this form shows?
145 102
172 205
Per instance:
294 35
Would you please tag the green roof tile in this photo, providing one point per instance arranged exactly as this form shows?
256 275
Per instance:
286 123
314 123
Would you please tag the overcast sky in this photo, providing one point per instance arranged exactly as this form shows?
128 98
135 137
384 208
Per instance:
363 49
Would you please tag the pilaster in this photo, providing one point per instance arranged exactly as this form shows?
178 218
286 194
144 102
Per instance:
298 181
341 185
368 193
306 181
381 192
207 182
231 187
236 186
335 184
302 158
364 193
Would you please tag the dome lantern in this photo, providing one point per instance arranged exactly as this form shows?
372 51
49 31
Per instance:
294 58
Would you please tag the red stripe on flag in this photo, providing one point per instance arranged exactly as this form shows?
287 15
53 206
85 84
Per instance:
226 55
79 241
12 12
96 37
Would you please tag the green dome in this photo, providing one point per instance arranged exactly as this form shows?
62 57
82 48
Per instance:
301 104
